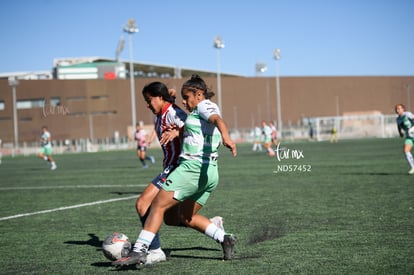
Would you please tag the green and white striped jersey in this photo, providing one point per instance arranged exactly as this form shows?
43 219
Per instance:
406 123
201 138
45 139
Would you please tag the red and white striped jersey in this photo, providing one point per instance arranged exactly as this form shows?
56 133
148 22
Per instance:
170 115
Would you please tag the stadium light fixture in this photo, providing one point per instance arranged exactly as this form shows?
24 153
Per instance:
13 82
219 44
260 68
276 56
130 28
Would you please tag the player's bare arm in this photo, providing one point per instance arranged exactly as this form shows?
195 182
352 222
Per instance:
221 125
170 133
152 138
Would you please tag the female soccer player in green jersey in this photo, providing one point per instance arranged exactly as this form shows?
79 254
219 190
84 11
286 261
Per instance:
46 150
405 123
192 182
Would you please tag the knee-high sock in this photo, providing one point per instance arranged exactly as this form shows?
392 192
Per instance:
410 159
156 243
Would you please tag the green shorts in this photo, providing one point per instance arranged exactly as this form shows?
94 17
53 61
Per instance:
193 180
409 141
47 151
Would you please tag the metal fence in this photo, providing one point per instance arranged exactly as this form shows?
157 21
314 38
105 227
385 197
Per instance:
347 127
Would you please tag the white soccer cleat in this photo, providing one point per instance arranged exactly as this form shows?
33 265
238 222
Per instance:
411 172
155 256
218 221
53 167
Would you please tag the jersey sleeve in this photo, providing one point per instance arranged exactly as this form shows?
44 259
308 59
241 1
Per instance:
409 115
207 108
174 118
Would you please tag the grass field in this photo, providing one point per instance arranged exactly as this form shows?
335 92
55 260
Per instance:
347 209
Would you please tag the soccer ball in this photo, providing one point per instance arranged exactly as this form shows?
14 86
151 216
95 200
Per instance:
116 246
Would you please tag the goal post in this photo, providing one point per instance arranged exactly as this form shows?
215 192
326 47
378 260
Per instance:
355 126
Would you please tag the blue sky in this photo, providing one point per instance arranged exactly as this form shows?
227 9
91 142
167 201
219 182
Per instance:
316 38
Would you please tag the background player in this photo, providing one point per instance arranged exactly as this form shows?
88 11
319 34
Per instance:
141 137
46 150
405 124
257 139
267 142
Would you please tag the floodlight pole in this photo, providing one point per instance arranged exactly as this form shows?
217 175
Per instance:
13 82
408 87
131 28
276 56
219 44
261 68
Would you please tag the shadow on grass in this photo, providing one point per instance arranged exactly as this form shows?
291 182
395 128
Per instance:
38 169
102 264
126 193
93 241
168 252
372 174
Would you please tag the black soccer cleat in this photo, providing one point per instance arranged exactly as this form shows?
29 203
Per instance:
228 245
133 258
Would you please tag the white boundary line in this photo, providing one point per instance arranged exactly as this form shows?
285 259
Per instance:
66 208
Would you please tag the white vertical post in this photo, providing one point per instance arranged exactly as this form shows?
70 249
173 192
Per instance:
276 56
13 82
219 44
131 28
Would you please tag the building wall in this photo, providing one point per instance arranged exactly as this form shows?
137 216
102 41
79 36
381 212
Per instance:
99 108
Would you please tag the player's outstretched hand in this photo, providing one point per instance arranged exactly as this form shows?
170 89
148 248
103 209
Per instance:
231 145
169 134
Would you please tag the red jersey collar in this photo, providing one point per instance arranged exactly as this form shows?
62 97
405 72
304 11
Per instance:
164 109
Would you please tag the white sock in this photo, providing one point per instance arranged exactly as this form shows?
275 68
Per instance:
410 159
53 163
45 158
214 232
144 240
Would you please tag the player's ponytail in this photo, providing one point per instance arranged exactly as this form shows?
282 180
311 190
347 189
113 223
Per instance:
196 83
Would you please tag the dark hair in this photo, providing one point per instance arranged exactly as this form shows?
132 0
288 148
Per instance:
197 83
158 89
399 104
